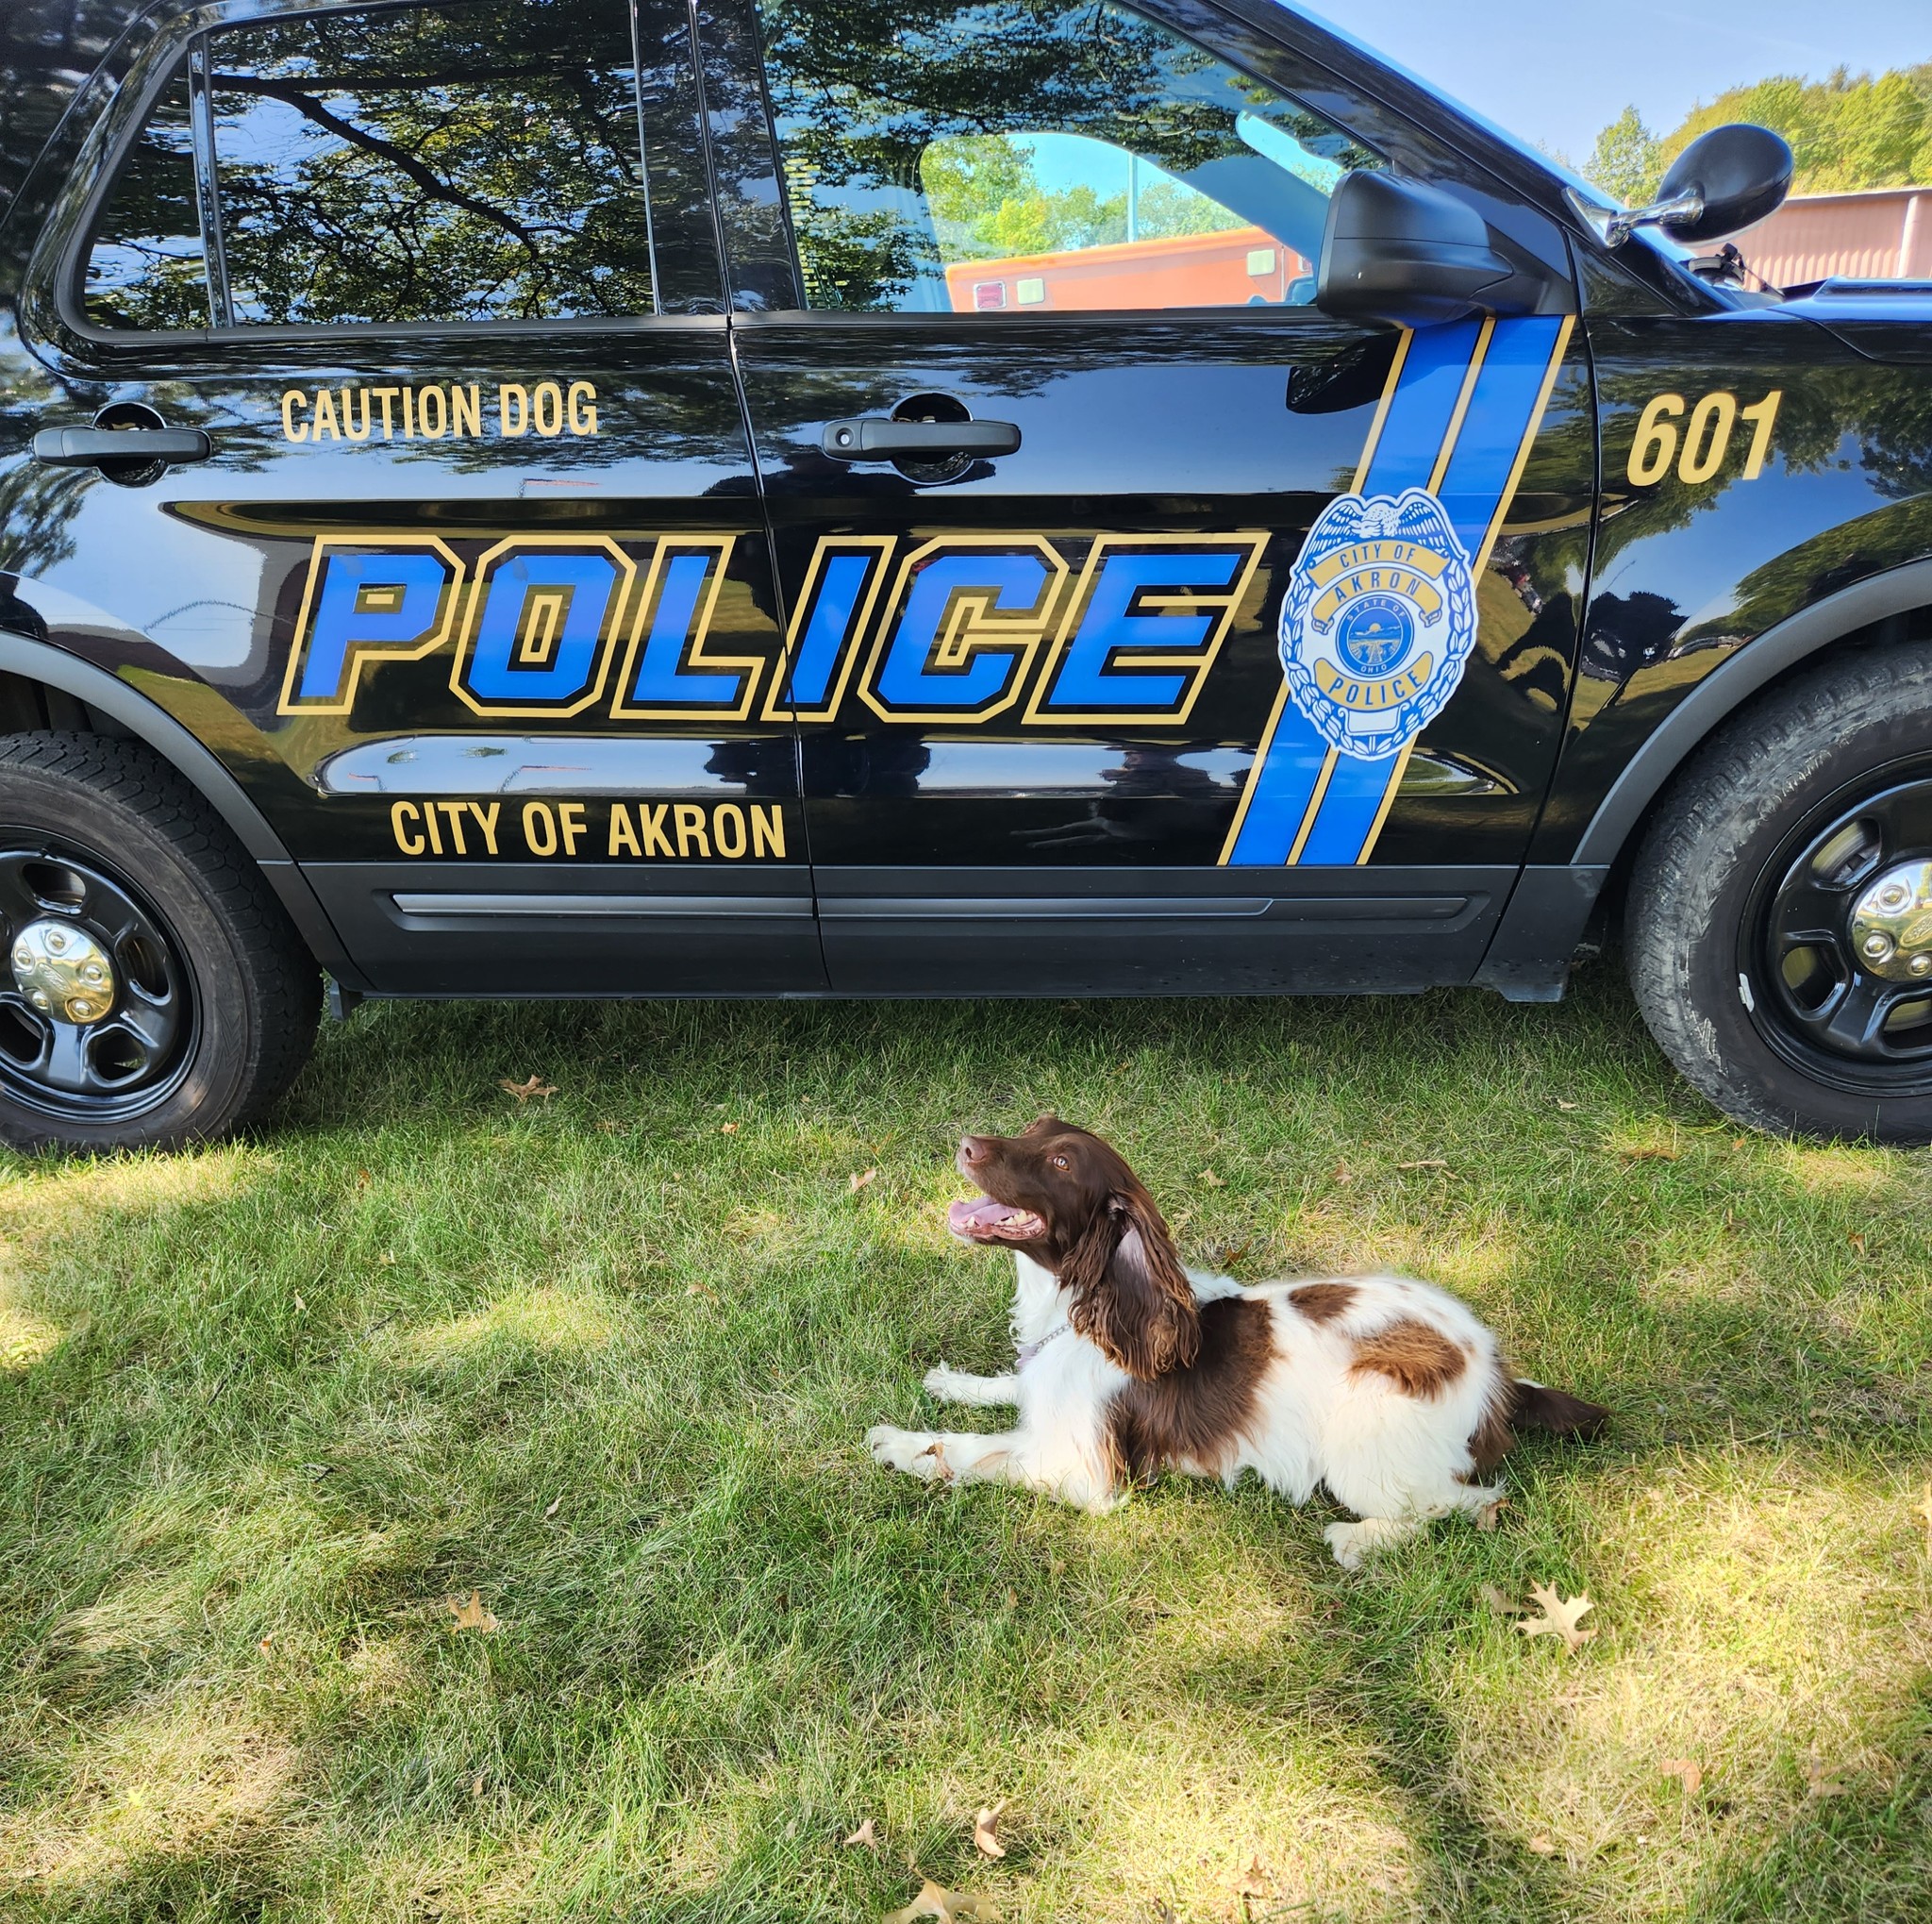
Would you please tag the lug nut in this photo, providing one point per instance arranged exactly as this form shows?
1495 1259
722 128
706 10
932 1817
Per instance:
91 973
1878 946
1894 896
81 1009
57 942
1921 965
39 998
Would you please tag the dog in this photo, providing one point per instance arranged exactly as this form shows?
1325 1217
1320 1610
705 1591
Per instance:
1388 1392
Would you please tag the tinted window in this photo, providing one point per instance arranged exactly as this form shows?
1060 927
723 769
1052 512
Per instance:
1036 155
145 268
467 162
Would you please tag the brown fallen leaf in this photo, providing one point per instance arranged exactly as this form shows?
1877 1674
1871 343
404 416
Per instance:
524 1090
1212 1181
476 1788
983 1839
1254 1881
472 1615
1857 1241
1820 1780
1560 1616
1431 1163
945 1905
865 1834
1498 1600
727 1128
1486 1517
943 1470
1339 1176
860 1178
1562 1104
363 1179
1543 1846
1690 1775
553 1509
702 1289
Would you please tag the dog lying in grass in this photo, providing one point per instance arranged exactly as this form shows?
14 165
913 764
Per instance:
1390 1393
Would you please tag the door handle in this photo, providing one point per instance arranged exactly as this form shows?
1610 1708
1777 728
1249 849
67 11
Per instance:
90 447
875 439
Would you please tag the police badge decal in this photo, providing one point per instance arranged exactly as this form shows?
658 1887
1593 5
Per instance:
1378 620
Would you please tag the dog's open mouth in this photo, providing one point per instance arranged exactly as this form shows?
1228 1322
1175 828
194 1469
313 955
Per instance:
986 1221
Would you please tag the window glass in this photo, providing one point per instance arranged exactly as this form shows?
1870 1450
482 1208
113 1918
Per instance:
466 162
1034 155
145 268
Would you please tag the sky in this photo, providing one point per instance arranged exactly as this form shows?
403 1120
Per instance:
1556 71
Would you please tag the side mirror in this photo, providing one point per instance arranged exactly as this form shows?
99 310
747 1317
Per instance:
1724 182
1400 252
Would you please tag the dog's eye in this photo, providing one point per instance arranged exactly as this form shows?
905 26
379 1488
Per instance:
1060 1162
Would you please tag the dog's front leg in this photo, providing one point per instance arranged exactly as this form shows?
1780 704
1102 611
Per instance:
1012 1457
981 1392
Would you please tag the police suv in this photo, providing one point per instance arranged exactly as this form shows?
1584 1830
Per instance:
920 497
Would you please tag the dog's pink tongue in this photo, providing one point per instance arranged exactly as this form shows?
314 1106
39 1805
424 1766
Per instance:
977 1218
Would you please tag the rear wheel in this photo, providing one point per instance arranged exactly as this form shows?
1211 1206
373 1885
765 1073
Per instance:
1780 916
151 990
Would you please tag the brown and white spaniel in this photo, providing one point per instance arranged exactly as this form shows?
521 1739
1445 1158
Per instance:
1388 1392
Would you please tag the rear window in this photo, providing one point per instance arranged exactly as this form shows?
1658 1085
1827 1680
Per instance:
467 162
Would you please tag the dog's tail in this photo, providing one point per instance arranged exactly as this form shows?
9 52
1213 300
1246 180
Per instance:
1533 1407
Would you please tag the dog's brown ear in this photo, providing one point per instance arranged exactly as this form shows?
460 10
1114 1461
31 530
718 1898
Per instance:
1130 1294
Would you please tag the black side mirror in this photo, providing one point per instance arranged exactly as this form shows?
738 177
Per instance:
1401 252
1723 182
1738 172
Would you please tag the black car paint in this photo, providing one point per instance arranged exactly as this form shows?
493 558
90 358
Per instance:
1609 608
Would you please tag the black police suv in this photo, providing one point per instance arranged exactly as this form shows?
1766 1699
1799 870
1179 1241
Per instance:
920 497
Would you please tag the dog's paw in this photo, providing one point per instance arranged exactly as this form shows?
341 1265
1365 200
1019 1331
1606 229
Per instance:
942 1383
904 1449
1349 1542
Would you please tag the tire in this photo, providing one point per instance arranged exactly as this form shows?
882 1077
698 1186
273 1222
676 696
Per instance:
152 990
1775 869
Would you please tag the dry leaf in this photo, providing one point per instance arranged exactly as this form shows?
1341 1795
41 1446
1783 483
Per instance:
1254 1881
1648 1155
727 1128
1212 1181
1433 1163
472 1615
264 1645
1339 1176
865 1834
1565 1106
1858 1242
1543 1846
301 1308
1690 1774
363 1179
1498 1600
553 1509
1486 1517
1820 1779
945 1905
702 1289
983 1839
1560 1616
942 1471
858 1179
524 1090
476 1788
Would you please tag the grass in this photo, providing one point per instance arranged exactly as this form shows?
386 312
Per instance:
606 1358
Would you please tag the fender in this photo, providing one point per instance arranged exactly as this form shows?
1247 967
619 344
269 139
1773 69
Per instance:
1528 960
54 667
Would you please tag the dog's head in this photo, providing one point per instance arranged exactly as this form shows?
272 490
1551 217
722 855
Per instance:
1067 1199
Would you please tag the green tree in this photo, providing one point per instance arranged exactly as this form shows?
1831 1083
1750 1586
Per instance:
1627 159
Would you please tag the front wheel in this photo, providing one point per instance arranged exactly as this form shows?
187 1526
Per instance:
1780 912
151 990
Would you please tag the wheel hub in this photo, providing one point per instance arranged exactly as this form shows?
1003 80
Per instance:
63 971
1891 924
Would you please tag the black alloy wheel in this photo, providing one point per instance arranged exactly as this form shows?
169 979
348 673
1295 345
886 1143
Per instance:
97 1008
1842 938
152 989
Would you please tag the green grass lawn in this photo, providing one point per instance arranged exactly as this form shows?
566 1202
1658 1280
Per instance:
608 1357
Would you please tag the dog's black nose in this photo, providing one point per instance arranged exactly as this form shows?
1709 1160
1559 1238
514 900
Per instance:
974 1148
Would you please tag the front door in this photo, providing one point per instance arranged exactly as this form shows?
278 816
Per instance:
477 562
1044 414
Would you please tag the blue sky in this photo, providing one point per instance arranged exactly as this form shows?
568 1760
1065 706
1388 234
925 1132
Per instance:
1557 70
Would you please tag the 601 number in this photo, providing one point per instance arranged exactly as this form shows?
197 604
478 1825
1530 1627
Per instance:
1706 438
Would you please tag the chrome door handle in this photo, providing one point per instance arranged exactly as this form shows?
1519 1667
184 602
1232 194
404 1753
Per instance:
89 447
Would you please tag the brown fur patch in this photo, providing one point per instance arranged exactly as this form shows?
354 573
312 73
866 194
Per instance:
1324 1303
1420 1361
1493 1439
1195 1418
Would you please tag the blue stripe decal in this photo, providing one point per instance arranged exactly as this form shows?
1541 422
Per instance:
1351 803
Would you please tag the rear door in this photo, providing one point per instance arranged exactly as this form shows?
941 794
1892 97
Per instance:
1048 741
476 577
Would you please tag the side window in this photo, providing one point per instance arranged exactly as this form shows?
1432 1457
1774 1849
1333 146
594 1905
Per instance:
473 161
1040 155
146 267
